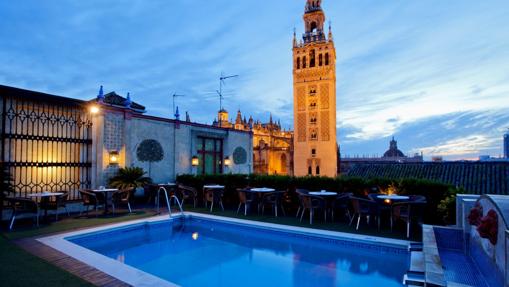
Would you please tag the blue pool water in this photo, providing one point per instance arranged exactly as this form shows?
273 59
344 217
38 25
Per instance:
198 252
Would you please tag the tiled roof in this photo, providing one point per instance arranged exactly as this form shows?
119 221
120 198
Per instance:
474 177
114 99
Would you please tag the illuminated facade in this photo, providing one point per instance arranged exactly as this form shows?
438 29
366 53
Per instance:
272 145
314 85
53 143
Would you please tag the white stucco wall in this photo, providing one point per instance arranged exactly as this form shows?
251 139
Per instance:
123 131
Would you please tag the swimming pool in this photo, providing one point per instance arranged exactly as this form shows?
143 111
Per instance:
209 251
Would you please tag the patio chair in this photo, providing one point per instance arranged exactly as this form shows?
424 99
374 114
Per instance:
274 200
380 207
300 191
213 196
187 192
406 211
150 191
342 202
122 197
247 198
21 205
362 207
59 202
88 199
312 202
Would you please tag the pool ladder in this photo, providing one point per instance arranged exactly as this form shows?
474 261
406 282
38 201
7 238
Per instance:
168 200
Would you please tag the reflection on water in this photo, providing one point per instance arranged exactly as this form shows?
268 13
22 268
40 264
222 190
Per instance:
207 253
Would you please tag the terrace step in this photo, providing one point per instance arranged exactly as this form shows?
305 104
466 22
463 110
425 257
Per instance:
414 279
417 261
415 276
415 246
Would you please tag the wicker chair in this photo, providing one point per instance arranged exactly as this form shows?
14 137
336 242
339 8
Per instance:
342 203
91 199
213 196
59 202
362 207
122 197
187 192
299 192
408 211
312 203
274 200
247 198
21 205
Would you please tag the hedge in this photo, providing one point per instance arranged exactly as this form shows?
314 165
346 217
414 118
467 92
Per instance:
440 196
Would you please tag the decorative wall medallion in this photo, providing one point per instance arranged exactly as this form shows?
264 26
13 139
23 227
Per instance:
239 155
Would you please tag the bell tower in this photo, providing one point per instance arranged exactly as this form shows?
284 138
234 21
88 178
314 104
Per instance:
314 96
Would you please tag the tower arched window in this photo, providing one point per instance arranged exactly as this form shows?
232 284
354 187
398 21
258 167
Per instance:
326 59
298 63
312 58
304 62
320 60
313 27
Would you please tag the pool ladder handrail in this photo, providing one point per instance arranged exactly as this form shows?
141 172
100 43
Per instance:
168 204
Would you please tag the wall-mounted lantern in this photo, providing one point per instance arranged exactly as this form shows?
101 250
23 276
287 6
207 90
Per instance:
114 157
227 161
94 110
195 161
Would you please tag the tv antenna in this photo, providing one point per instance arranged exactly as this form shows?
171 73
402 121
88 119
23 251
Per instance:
175 96
220 92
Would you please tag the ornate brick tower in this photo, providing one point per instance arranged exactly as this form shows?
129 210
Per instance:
314 96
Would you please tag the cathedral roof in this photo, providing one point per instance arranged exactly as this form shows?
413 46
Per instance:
393 150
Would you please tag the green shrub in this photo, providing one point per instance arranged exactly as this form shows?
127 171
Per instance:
440 197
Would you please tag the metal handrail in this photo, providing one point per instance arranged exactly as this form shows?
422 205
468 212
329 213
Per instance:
168 204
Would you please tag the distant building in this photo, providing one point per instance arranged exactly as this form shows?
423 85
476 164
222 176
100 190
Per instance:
392 155
506 145
272 145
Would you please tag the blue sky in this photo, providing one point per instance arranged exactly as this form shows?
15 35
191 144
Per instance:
432 73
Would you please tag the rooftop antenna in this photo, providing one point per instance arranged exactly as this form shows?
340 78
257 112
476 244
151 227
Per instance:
175 96
220 92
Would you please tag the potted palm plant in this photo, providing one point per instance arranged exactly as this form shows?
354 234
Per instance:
130 177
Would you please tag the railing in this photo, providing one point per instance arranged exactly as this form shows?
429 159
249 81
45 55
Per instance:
168 201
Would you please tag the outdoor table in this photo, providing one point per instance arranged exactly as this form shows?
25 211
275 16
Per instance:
385 203
323 193
261 190
44 198
213 187
107 192
391 198
328 196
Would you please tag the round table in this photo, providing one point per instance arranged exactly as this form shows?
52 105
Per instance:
328 196
391 198
44 198
213 186
323 193
107 192
262 189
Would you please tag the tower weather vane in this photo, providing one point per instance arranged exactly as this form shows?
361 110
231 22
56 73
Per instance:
175 96
220 92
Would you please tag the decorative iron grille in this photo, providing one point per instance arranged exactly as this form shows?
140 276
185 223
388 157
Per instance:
46 142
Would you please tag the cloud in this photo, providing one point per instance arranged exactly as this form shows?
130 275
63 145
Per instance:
431 72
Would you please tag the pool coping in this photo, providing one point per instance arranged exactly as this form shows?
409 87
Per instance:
136 277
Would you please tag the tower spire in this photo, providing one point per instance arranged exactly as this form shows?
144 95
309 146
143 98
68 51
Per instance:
100 96
294 37
330 31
